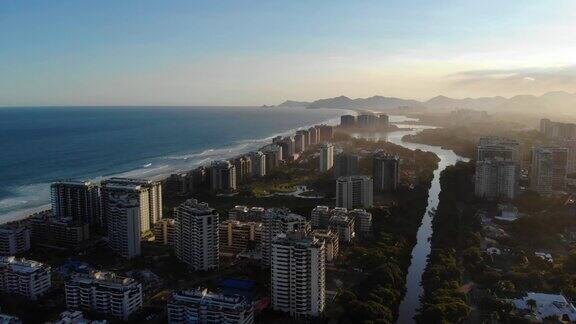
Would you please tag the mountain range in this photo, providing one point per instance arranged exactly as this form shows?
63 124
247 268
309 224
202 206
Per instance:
550 102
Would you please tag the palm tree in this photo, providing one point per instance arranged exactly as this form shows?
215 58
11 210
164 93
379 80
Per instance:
532 304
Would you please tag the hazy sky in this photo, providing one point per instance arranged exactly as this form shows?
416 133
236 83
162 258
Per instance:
236 52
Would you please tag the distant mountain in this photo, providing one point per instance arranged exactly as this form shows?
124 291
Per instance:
293 104
551 102
376 103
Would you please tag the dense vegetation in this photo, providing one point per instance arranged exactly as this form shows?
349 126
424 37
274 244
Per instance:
384 260
455 248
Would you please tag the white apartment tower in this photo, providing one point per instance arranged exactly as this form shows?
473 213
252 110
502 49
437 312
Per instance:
104 293
258 164
196 235
276 222
354 192
23 277
201 306
223 176
298 274
326 157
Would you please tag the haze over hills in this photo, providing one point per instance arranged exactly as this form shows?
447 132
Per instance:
550 102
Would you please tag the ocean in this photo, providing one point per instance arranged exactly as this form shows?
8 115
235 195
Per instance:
39 145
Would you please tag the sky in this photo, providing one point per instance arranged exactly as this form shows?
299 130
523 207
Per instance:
113 52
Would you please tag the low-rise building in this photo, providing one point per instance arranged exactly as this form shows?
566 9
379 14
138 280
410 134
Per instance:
201 306
23 277
236 236
104 293
545 306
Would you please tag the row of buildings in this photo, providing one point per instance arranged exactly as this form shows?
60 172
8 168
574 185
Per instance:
499 165
365 121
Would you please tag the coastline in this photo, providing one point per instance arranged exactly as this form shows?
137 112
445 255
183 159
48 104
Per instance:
164 166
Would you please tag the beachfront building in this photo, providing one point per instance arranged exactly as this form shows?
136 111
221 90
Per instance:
326 157
299 143
223 176
48 230
164 231
298 274
275 222
386 172
196 235
288 146
346 164
258 164
23 277
130 207
273 154
326 133
243 166
201 306
14 239
354 192
236 236
104 293
78 200
120 194
314 135
368 121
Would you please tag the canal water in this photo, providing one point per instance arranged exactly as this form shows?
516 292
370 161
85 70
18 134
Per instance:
411 302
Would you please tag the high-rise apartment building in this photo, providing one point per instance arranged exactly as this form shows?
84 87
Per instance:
78 200
201 306
258 164
298 274
164 231
148 195
314 135
495 178
243 166
288 146
299 143
104 293
326 133
557 130
23 277
278 221
386 172
320 217
362 222
196 235
347 121
549 169
346 164
354 192
331 242
273 155
130 207
223 176
343 224
368 121
326 157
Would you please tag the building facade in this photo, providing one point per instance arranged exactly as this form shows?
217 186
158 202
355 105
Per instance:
201 306
275 222
196 240
14 239
326 157
386 172
354 192
258 164
236 236
223 176
298 274
346 164
104 293
164 231
78 200
23 277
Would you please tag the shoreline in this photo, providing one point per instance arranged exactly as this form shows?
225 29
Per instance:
164 170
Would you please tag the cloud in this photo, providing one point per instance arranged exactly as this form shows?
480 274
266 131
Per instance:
533 80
